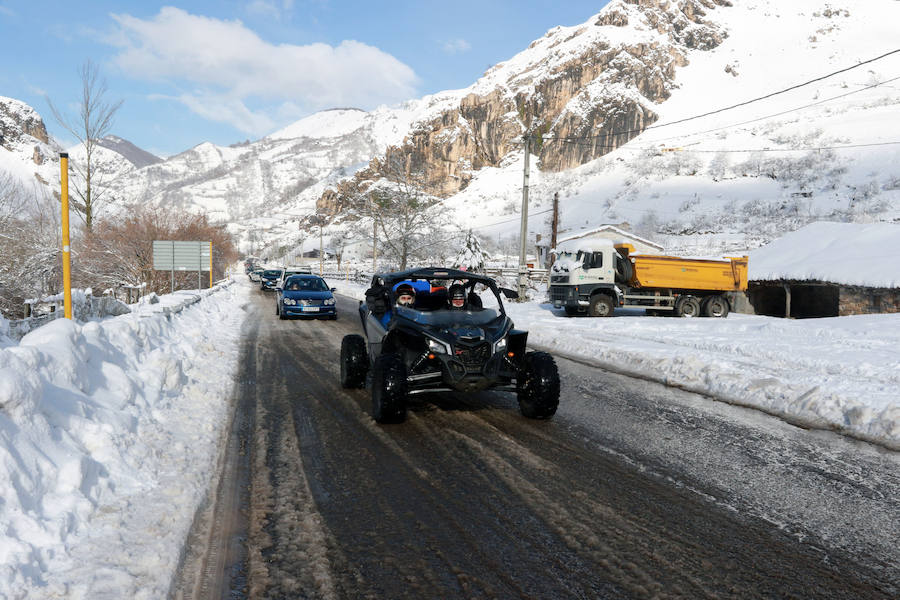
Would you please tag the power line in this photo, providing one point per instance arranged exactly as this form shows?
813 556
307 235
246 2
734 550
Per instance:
733 106
779 114
542 212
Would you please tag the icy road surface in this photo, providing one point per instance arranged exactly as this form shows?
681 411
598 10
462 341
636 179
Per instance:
632 490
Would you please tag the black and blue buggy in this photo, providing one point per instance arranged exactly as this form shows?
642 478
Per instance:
432 330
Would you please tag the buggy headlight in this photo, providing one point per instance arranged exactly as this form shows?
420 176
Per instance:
438 347
328 301
289 301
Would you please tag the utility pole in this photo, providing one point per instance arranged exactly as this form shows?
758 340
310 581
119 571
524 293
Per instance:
554 225
374 244
523 231
321 248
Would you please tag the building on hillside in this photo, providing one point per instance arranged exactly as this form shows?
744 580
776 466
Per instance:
616 233
828 270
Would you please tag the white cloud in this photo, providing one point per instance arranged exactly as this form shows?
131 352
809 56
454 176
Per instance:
456 46
233 68
264 8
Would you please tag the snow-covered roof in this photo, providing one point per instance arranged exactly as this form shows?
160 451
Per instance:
626 235
846 253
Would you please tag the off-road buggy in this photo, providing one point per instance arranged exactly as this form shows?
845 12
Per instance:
432 345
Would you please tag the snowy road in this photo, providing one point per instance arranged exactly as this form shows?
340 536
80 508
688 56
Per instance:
632 490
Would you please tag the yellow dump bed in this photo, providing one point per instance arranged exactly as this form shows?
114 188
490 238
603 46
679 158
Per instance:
672 272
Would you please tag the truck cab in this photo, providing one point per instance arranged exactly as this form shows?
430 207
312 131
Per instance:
583 274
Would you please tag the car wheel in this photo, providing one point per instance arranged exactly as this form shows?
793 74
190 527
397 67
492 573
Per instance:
601 306
389 389
281 314
687 306
354 361
537 386
714 306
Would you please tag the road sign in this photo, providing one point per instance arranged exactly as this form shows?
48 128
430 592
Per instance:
171 255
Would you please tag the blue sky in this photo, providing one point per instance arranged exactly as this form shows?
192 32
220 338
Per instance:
226 71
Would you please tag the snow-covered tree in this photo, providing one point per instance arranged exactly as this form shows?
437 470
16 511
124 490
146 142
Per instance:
471 257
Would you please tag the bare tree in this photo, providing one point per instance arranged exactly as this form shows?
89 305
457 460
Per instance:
410 222
94 121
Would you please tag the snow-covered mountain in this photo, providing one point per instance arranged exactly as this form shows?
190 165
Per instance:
685 119
631 119
28 156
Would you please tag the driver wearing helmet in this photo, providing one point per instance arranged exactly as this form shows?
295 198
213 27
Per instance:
457 297
406 295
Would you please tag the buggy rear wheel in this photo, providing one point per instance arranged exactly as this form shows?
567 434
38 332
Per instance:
354 361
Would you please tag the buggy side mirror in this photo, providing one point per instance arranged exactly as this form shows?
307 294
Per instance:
279 288
511 294
333 289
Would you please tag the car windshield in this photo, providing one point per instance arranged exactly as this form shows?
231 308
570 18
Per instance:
305 284
271 273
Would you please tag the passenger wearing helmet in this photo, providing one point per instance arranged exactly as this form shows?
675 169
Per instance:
457 297
406 295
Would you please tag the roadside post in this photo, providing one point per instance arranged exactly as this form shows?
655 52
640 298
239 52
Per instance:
523 231
66 250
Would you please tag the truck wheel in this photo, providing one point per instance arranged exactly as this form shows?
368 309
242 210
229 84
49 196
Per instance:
389 389
601 306
537 386
571 312
687 306
354 361
715 306
624 269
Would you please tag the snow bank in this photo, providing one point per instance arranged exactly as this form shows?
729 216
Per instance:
109 434
841 374
847 253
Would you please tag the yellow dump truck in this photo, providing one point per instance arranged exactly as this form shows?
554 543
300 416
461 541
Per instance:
596 276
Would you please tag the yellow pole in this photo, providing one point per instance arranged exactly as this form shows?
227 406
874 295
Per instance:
210 264
66 254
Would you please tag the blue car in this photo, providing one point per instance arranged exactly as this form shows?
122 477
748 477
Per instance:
305 296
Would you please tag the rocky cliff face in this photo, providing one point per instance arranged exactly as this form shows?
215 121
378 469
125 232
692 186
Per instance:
579 91
22 130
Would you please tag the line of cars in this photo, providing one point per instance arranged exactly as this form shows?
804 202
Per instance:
299 293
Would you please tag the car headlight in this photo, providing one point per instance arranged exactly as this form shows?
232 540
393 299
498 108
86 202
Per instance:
500 345
289 301
328 301
437 347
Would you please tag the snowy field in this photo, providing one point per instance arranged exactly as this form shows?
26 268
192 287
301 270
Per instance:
841 373
109 435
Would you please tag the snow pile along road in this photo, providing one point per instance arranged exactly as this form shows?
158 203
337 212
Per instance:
109 434
839 373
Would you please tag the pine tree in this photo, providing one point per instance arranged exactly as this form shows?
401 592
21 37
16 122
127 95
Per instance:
471 257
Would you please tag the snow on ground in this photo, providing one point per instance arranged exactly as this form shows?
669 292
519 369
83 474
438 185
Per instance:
109 435
841 373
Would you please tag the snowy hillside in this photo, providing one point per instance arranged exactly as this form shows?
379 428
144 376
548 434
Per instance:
27 155
739 178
